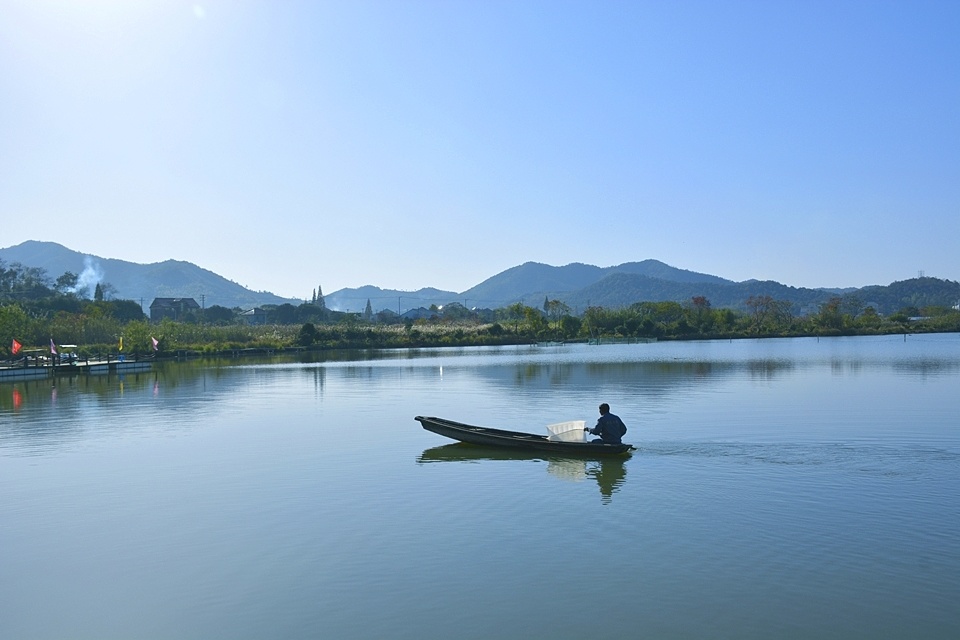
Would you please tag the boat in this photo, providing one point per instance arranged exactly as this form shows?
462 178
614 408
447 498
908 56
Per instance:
489 437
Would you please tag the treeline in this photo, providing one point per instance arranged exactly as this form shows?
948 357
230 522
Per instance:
518 323
35 312
764 317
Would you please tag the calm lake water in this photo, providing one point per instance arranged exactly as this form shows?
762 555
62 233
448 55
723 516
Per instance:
795 488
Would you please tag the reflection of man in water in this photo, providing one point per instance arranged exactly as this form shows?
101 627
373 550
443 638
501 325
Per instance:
610 475
609 427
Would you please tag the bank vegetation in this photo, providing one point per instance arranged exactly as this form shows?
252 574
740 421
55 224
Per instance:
36 314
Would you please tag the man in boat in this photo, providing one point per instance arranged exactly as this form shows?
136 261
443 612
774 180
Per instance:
609 427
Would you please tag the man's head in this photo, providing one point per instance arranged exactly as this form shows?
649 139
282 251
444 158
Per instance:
604 409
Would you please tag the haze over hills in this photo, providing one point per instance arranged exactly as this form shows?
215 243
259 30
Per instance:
577 285
529 283
140 282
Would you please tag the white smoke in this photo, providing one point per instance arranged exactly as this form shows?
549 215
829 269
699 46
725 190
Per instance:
88 279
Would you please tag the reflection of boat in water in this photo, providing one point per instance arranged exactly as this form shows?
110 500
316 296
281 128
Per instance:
463 452
608 471
517 440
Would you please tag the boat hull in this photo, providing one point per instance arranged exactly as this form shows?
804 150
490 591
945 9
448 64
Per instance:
488 437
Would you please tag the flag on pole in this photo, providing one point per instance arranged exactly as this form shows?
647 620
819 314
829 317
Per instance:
15 347
53 347
121 343
156 343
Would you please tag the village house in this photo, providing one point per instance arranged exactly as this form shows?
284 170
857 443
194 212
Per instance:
255 316
172 308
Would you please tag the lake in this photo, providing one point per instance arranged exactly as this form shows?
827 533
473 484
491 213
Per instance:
795 488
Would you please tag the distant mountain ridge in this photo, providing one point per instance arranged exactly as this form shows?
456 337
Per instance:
529 283
577 285
580 286
141 282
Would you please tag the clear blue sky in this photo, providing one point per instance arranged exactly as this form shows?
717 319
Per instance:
406 144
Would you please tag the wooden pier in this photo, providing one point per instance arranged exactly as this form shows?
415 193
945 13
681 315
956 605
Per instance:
39 370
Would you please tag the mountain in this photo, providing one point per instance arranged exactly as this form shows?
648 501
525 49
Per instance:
391 299
580 286
577 285
914 293
531 282
623 289
140 282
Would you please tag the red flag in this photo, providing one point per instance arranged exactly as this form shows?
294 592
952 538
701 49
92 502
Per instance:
15 347
53 347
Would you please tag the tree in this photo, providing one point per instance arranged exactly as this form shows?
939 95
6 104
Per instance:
309 312
534 320
319 299
515 314
555 310
456 311
368 311
725 318
138 336
67 283
285 313
570 326
593 321
761 309
24 283
851 305
830 316
701 312
870 318
122 310
307 335
768 314
16 324
664 313
98 293
217 314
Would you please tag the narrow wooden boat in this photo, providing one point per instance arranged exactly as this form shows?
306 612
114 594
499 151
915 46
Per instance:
489 437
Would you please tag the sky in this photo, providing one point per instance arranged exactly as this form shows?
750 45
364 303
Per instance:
406 144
